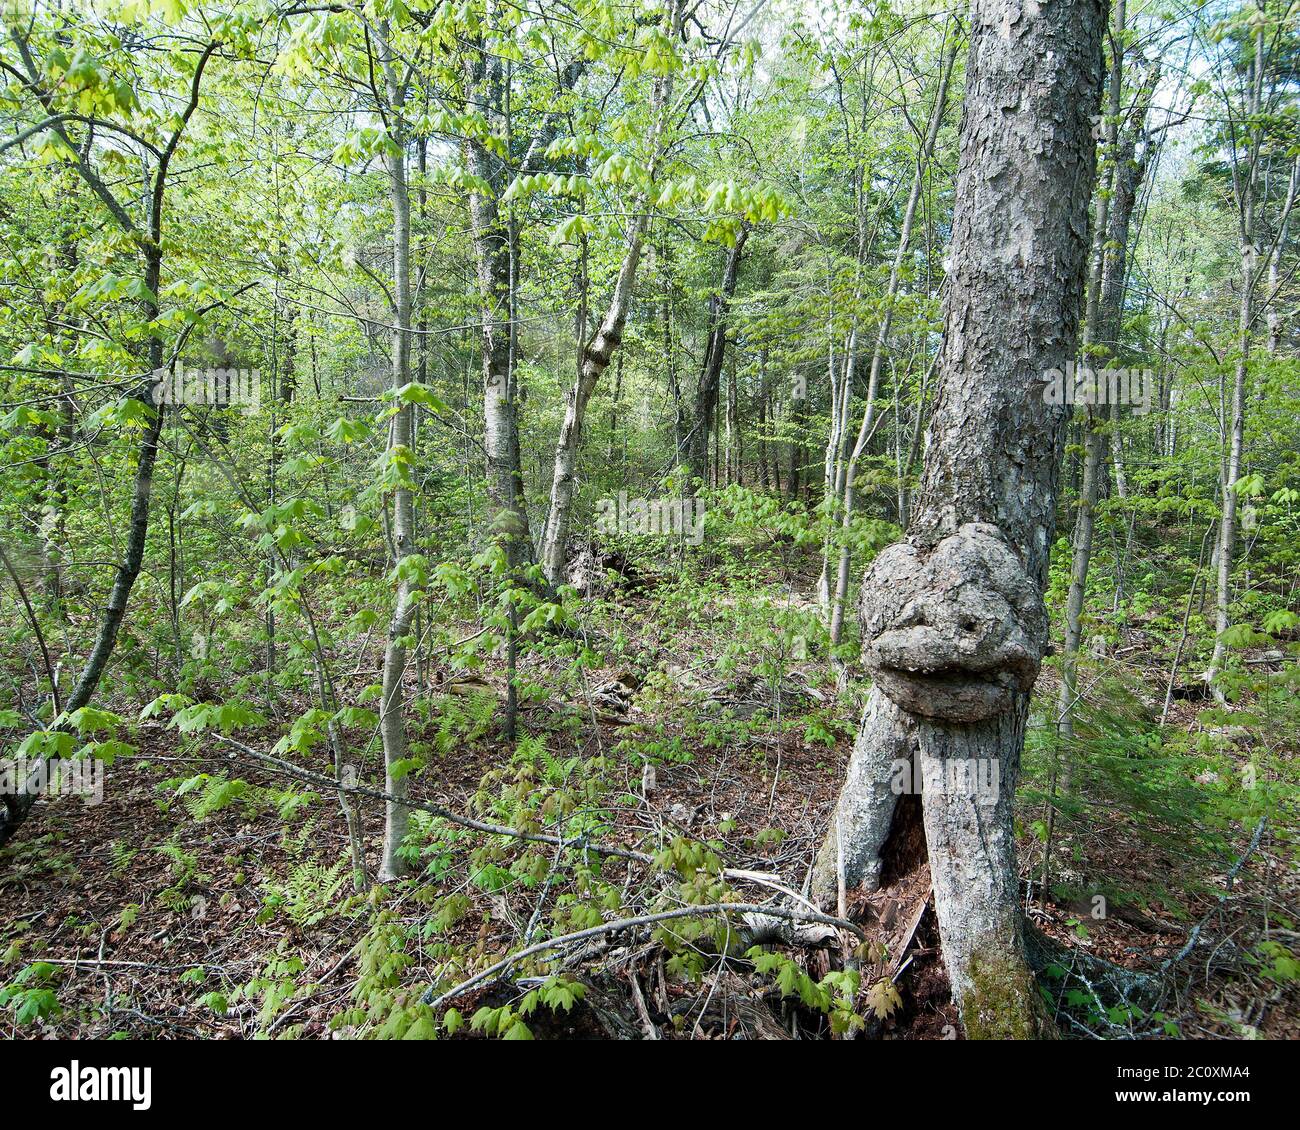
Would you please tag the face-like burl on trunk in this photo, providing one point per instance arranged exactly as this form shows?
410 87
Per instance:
955 631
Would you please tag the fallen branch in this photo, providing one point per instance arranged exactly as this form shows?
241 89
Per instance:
631 924
1230 878
762 878
98 962
1128 985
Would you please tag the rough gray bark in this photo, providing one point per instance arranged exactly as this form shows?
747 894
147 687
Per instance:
952 620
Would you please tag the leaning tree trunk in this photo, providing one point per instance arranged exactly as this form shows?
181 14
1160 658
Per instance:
596 357
953 622
597 354
497 263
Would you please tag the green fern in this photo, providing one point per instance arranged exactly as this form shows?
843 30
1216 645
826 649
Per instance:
308 895
206 794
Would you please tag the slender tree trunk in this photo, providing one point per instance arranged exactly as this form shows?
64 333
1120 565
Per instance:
14 807
953 622
129 569
1246 183
735 441
914 444
507 511
797 414
840 378
615 412
869 416
1103 324
496 269
763 393
392 714
706 392
1093 446
598 353
54 510
1276 319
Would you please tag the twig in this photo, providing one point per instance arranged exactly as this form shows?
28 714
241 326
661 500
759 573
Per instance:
638 998
128 964
1232 874
284 1016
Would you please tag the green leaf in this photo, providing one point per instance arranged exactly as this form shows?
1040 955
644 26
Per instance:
89 720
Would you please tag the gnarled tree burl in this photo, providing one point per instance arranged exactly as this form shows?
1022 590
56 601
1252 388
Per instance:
953 623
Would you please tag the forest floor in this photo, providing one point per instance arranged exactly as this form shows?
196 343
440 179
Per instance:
238 923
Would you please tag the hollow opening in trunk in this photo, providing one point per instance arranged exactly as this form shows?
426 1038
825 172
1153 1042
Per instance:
904 848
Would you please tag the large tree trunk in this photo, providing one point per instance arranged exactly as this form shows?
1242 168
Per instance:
953 622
